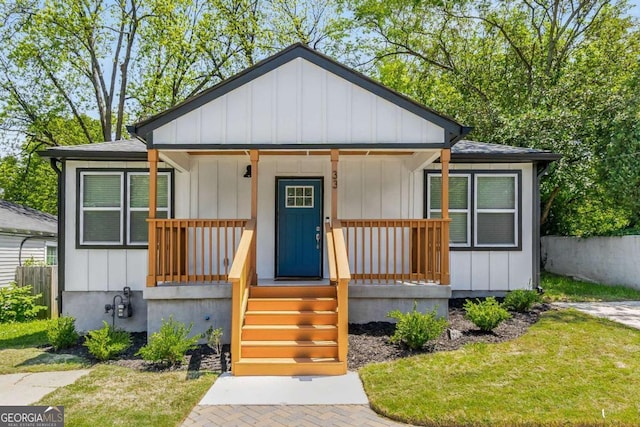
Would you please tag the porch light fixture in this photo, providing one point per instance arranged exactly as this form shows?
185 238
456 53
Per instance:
247 173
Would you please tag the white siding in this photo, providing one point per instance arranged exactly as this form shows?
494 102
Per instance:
10 252
299 102
105 269
497 270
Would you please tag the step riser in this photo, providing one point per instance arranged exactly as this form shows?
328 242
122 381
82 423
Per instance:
291 319
290 335
289 351
292 292
277 305
330 368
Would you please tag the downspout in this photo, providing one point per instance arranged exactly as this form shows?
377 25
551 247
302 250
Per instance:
60 171
22 245
541 170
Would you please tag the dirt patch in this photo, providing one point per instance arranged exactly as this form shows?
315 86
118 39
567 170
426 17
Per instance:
367 343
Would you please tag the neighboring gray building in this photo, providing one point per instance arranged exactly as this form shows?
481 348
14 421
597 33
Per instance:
25 234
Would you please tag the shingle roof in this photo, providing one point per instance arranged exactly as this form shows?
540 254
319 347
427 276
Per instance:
124 148
484 151
20 219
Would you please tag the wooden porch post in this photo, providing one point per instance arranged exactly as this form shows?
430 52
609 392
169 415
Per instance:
335 154
445 157
254 155
152 156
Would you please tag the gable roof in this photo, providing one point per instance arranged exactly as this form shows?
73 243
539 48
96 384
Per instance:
453 130
18 219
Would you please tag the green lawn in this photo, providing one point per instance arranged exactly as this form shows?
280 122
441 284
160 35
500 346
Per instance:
569 369
562 288
20 352
116 396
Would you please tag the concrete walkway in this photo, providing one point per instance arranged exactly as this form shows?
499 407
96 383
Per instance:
625 312
286 401
28 388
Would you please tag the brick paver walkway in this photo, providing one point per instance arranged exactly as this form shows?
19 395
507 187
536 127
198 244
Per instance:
286 416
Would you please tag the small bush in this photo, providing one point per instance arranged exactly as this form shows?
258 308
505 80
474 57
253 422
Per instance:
487 314
214 339
62 332
415 329
170 343
107 342
521 300
17 304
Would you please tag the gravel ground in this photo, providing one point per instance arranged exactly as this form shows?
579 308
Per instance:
367 343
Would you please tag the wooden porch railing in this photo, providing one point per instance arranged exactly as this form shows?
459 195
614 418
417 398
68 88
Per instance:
383 250
339 275
240 276
192 250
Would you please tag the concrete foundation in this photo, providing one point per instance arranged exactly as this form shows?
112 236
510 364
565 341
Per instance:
88 309
371 303
204 305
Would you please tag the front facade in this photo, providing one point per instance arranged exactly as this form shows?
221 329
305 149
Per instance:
297 172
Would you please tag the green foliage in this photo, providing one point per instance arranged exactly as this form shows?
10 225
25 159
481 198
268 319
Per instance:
521 300
487 314
17 304
107 342
214 339
415 329
62 332
170 343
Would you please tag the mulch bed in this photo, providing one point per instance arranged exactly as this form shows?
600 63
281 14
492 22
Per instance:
367 343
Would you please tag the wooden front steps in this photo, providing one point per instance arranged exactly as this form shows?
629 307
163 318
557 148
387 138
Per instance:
290 330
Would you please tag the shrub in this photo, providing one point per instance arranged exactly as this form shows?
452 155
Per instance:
521 300
415 329
17 304
170 343
214 339
487 314
107 342
62 332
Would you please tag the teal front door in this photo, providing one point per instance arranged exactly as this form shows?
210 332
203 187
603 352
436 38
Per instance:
299 228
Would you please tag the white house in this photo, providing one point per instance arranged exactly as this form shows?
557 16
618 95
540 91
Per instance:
288 200
25 234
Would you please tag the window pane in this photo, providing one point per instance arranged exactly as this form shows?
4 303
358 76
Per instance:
458 192
101 226
101 191
138 227
52 255
496 228
458 227
496 192
139 191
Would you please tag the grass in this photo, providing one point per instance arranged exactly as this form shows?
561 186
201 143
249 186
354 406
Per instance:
568 369
19 350
117 396
562 288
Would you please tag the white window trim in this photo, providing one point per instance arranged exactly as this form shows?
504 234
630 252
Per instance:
513 211
467 211
158 209
103 209
48 245
295 197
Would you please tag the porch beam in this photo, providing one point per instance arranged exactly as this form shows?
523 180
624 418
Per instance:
254 156
335 156
420 160
445 158
152 156
178 160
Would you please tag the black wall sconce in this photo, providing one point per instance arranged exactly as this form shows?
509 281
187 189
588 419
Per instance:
247 173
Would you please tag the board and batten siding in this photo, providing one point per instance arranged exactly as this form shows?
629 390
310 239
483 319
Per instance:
107 269
10 254
497 270
298 103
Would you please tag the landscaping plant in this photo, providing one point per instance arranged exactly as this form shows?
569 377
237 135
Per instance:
521 300
62 332
17 304
487 314
170 343
107 342
214 339
415 329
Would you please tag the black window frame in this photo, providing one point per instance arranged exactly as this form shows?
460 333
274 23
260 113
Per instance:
124 208
472 208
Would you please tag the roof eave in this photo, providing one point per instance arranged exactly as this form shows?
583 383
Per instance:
504 158
95 155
